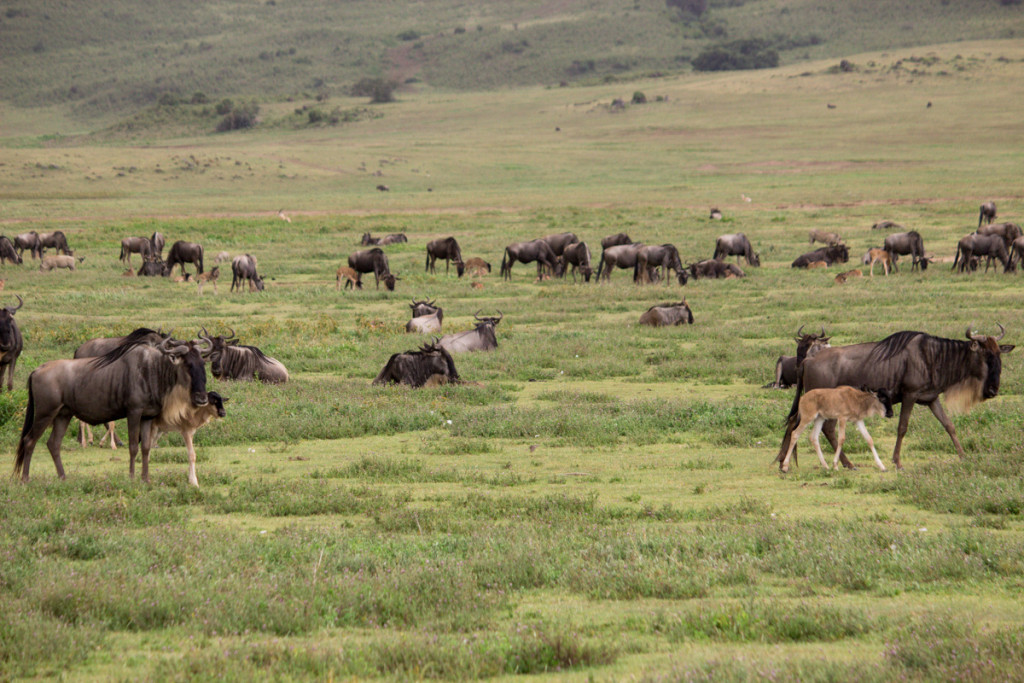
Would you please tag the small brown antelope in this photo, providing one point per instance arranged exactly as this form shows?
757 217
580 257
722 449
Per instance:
848 275
477 285
844 404
350 276
817 264
210 277
880 255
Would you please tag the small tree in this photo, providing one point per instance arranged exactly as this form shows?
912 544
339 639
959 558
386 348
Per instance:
377 89
240 116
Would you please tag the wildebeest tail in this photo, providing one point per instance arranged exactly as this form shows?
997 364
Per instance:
504 262
956 258
30 417
122 253
200 260
792 420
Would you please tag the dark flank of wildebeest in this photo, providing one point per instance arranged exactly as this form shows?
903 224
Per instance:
373 261
618 256
7 252
446 248
667 315
11 342
230 360
903 244
430 366
827 255
185 252
480 338
1016 253
54 240
243 267
28 240
975 245
714 269
576 255
527 252
986 213
655 256
736 245
1008 231
787 367
559 241
136 245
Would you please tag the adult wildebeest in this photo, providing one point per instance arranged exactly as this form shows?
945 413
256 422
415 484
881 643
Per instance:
787 367
560 241
526 252
10 342
480 338
231 360
618 256
916 368
666 315
135 380
7 252
655 256
828 238
373 261
616 240
713 268
736 245
156 244
885 225
426 318
185 252
974 244
59 261
1016 252
828 255
243 267
430 366
987 212
369 240
448 249
903 243
716 215
576 255
1008 231
54 240
136 245
154 269
30 241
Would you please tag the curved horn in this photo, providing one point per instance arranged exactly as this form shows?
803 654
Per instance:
822 330
477 314
799 332
976 337
500 316
21 303
205 345
1002 332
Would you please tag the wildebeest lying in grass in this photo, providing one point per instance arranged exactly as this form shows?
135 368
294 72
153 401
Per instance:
828 255
714 269
667 315
427 318
843 404
480 338
369 240
430 366
231 360
476 266
885 225
841 278
154 269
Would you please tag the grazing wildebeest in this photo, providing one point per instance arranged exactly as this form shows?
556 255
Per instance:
713 268
828 255
154 269
916 368
426 318
974 244
618 256
987 212
885 225
54 240
7 252
30 241
1008 231
576 255
829 238
430 366
666 315
560 241
10 342
185 252
373 261
350 276
243 267
477 266
1017 252
903 243
736 245
616 240
211 276
135 380
59 261
787 367
480 338
448 249
655 256
844 404
136 245
525 252
156 244
231 360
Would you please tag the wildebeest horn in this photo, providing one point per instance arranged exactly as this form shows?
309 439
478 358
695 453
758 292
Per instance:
1002 332
799 333
173 347
822 330
208 343
500 316
20 304
477 314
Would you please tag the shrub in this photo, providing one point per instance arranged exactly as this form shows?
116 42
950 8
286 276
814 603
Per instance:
377 89
224 107
738 54
639 97
168 99
238 117
199 98
409 35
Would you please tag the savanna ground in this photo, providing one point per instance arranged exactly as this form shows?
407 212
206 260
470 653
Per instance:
601 505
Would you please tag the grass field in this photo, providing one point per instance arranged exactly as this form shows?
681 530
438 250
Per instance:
601 505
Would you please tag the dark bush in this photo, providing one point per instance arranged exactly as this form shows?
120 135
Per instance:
459 30
315 116
693 8
738 54
240 116
639 98
199 98
409 35
168 99
377 89
224 107
580 67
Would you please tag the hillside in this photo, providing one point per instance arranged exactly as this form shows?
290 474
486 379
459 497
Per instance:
110 59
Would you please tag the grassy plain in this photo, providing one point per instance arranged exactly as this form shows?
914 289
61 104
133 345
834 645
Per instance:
602 507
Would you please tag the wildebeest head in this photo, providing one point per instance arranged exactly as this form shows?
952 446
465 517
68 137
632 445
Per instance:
429 366
488 320
422 308
215 351
189 354
9 328
808 345
389 280
987 362
217 401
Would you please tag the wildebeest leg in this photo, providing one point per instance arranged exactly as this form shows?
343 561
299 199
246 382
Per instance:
905 408
816 440
111 434
830 434
146 439
60 426
134 429
867 437
191 458
839 447
794 436
84 435
941 416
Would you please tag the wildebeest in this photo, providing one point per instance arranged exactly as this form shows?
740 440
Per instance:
369 240
974 244
54 240
243 267
154 269
834 254
28 240
903 243
210 276
880 255
885 225
11 342
135 245
841 278
430 366
829 238
185 252
844 404
1008 231
350 276
655 256
480 338
135 380
526 252
787 367
373 261
448 249
426 318
156 244
477 266
618 256
1017 252
231 360
713 268
616 240
987 212
666 315
576 255
817 264
736 245
558 242
59 261
916 368
7 252
716 215
187 421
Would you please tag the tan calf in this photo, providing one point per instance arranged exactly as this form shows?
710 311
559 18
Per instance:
179 415
817 264
350 276
209 277
59 261
844 404
882 256
848 275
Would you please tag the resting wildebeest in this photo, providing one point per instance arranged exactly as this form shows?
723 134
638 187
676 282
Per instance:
369 240
916 368
480 338
477 266
827 255
430 366
666 315
655 256
560 241
135 380
448 249
231 360
576 255
1008 231
618 256
829 238
716 215
373 261
974 244
885 225
787 367
987 212
136 245
59 261
10 342
713 268
185 252
154 269
526 252
30 241
243 267
903 243
7 252
736 245
54 240
426 318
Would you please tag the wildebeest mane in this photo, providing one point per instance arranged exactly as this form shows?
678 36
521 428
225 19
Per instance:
133 340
